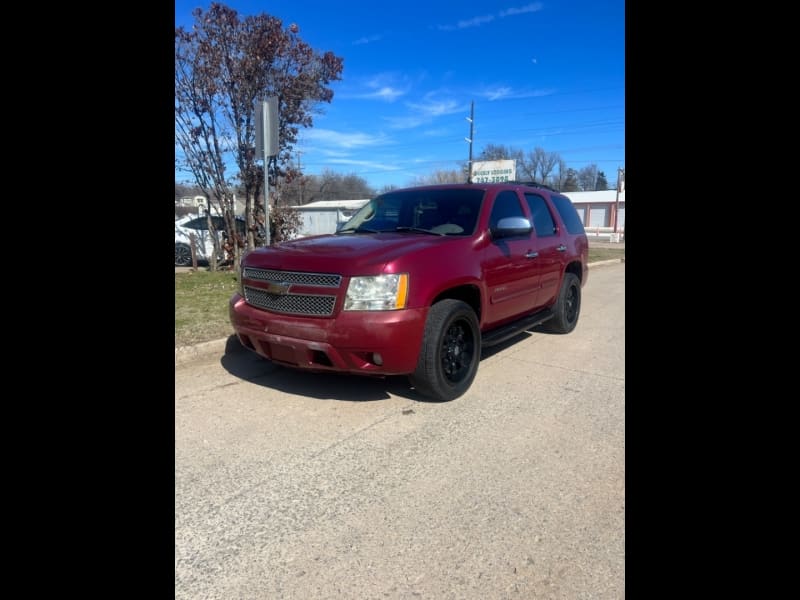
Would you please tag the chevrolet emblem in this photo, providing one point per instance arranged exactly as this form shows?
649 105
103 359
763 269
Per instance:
279 289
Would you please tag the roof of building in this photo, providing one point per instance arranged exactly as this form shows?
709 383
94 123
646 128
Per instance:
591 197
331 204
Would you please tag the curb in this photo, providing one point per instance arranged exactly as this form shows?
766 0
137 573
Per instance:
606 262
184 354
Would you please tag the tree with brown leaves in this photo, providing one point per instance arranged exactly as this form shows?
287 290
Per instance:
224 67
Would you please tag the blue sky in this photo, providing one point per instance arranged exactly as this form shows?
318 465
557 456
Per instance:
547 74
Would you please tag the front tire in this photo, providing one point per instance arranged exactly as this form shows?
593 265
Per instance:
183 255
451 348
567 308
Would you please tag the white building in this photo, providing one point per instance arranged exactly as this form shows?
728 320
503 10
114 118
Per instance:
597 211
324 216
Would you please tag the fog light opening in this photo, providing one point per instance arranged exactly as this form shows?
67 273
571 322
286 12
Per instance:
377 358
320 358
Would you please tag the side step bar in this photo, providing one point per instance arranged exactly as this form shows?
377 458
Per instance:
501 334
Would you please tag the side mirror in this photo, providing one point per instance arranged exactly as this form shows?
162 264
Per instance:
511 227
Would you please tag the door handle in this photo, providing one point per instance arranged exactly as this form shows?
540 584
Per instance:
561 248
531 254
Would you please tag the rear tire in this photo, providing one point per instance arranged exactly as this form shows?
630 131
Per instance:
183 255
450 352
567 308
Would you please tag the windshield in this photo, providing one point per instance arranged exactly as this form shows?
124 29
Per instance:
443 212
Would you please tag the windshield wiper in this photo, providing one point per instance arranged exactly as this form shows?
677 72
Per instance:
418 230
359 230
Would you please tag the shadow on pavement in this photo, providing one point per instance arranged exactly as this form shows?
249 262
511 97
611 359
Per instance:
245 364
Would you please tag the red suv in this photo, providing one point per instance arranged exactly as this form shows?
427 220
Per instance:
416 283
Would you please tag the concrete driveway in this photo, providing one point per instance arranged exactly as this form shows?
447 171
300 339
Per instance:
294 485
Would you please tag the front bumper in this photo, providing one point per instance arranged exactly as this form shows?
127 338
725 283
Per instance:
357 342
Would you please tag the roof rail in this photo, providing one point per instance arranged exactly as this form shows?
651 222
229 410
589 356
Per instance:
535 184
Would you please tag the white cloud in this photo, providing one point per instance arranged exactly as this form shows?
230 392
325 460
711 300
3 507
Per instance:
380 87
385 93
482 20
498 93
503 92
466 23
364 163
441 132
422 113
408 122
367 39
337 139
431 108
475 21
534 7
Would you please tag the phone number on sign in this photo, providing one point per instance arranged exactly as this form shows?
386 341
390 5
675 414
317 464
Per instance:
495 179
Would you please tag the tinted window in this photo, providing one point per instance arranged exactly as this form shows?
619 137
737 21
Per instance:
455 209
568 214
506 204
543 223
198 223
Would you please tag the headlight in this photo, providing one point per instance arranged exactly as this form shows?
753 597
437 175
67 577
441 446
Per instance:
382 292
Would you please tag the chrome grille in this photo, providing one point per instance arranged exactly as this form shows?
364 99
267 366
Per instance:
296 304
315 279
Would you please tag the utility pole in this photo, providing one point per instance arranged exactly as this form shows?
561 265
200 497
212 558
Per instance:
471 120
620 184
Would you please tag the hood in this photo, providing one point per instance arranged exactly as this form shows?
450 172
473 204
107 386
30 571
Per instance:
343 254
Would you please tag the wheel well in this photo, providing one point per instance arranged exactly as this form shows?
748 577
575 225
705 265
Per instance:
575 268
466 293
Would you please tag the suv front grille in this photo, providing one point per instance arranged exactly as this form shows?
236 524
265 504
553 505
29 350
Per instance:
315 279
296 304
318 305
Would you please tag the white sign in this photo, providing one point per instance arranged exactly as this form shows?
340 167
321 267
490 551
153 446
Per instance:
493 171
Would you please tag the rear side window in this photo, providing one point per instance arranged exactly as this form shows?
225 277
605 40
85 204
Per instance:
543 222
568 214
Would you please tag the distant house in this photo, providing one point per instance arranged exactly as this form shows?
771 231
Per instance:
597 210
324 216
196 204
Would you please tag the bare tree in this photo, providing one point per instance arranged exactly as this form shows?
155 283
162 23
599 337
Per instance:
558 179
538 165
547 162
224 66
439 177
329 185
570 182
500 152
587 178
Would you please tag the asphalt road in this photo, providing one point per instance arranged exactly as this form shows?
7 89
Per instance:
293 485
